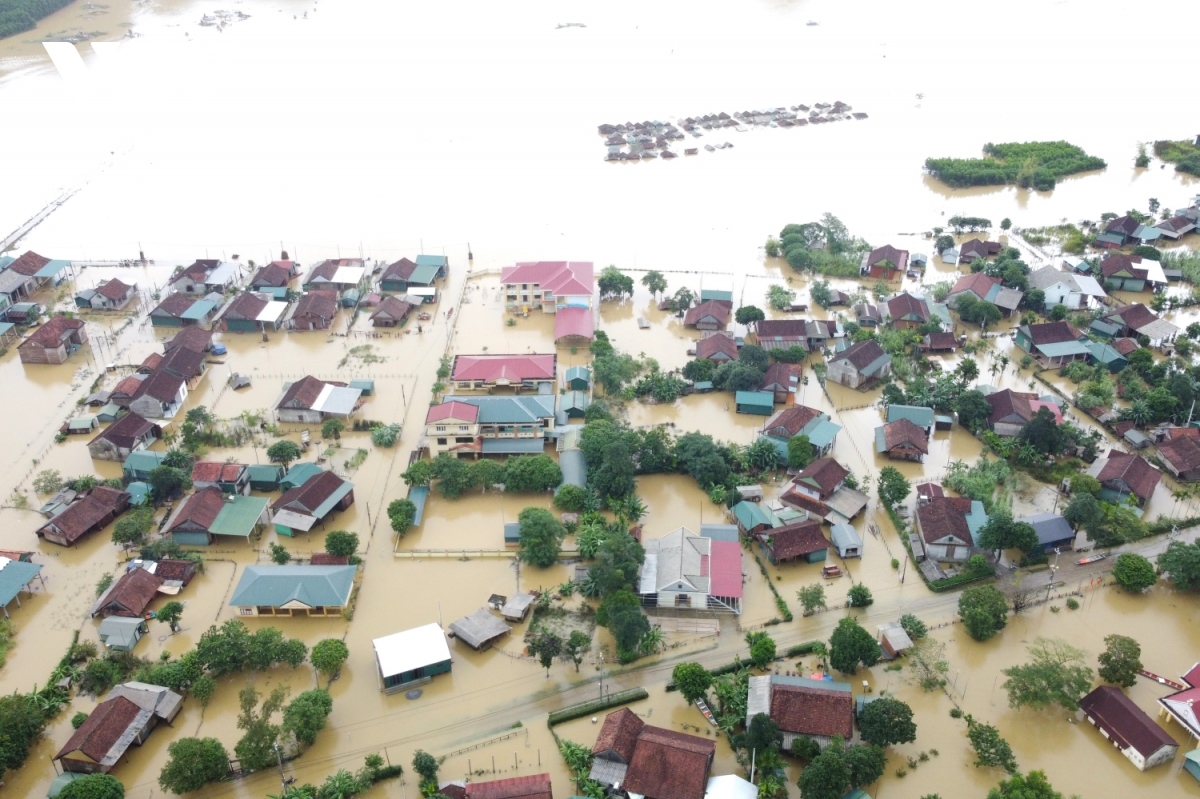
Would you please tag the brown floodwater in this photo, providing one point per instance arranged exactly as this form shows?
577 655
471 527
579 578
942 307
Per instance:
244 184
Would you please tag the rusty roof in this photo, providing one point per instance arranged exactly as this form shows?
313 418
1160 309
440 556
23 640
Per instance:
1181 452
783 375
325 559
861 355
176 569
302 393
322 304
200 509
797 539
217 472
1133 470
1125 345
132 593
903 432
708 347
150 364
1007 402
718 309
812 711
906 305
113 289
793 420
103 728
619 733
824 474
782 328
29 263
669 765
193 338
50 334
945 516
80 518
125 432
1122 224
533 786
940 341
978 283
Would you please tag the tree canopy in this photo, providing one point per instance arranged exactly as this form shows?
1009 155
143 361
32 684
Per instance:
541 537
328 655
691 680
341 543
1055 675
893 486
285 452
614 284
887 722
1134 573
851 645
1031 786
193 763
93 786
984 611
1181 565
1120 661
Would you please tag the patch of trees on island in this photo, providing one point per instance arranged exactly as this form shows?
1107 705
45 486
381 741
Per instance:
17 16
1036 165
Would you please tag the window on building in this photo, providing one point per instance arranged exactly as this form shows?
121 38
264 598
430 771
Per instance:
441 428
246 611
441 442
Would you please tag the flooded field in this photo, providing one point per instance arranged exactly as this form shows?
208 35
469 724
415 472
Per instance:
522 179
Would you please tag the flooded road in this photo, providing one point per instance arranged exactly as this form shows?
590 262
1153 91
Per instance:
281 133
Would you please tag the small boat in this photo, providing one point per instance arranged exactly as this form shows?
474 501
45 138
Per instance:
707 713
1091 559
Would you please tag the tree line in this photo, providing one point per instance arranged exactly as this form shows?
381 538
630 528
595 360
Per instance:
1036 165
17 16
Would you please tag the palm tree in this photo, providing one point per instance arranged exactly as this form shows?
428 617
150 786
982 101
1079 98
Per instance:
1003 360
635 509
653 641
1026 454
967 370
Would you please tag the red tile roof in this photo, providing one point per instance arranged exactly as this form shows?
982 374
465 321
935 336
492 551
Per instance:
902 432
939 341
392 307
80 518
824 474
310 494
50 335
717 309
113 289
791 420
199 510
325 559
534 786
1135 316
561 278
175 305
708 347
898 257
797 539
861 355
29 263
511 368
162 386
150 364
977 283
216 472
131 594
183 362
112 498
246 306
1125 345
1051 332
930 490
906 305
196 339
782 329
781 376
400 270
945 516
174 569
125 432
327 269
452 410
322 304
1133 470
669 765
1127 725
812 711
619 733
273 274
1007 402
979 248
302 393
103 728
1122 263
1122 224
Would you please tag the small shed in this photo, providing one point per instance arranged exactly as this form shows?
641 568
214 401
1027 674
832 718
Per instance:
298 475
367 387
139 492
575 404
410 657
108 413
1136 439
750 493
350 298
752 517
517 607
512 534
141 462
893 640
847 541
759 403
578 378
479 630
264 476
703 386
121 633
1191 763
82 425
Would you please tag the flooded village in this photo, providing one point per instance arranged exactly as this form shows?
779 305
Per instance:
733 500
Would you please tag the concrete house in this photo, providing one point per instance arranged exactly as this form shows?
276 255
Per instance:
37 270
184 363
315 311
312 401
781 379
818 709
126 435
859 365
452 427
821 479
710 315
719 348
1122 475
948 526
110 295
293 590
129 596
549 285
1053 531
110 730
906 311
160 396
54 342
1053 343
391 312
901 440
305 505
206 276
1138 320
518 372
1128 727
335 274
85 515
884 263
1179 707
1124 273
1074 291
183 310
687 571
1012 410
1181 457
411 657
633 757
504 425
796 541
209 512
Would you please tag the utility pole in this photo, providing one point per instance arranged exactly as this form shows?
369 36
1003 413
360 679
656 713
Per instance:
282 778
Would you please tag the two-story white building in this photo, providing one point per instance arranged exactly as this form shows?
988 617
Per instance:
490 425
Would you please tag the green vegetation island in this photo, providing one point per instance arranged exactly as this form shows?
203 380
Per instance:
1184 155
1035 164
18 16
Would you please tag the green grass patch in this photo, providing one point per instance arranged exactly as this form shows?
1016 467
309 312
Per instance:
596 705
1036 165
6 640
1183 154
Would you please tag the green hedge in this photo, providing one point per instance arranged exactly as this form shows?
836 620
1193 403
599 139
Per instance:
801 649
939 586
728 668
588 708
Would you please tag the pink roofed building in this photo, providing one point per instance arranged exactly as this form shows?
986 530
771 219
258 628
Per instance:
452 427
687 571
487 372
549 285
1182 706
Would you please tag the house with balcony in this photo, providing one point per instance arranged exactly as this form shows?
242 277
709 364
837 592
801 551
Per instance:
517 372
548 285
490 425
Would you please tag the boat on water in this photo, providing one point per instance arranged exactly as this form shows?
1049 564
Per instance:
1090 559
707 713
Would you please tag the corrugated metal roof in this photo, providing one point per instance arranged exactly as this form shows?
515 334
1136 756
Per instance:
198 310
313 586
14 576
513 446
1061 348
573 466
238 516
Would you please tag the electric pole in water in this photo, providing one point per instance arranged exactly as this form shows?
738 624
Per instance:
282 778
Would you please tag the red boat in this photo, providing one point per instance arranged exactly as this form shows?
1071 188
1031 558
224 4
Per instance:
1090 559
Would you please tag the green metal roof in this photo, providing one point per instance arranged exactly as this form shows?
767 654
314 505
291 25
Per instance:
299 474
432 260
510 410
821 432
238 516
712 294
423 275
265 473
1104 353
1061 348
367 387
144 460
576 372
920 416
138 492
513 446
14 576
108 413
51 269
752 514
1105 328
275 586
82 423
199 310
575 399
977 518
760 399
512 532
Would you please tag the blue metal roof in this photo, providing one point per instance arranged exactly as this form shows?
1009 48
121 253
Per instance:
199 310
275 586
1061 348
510 410
417 496
752 514
513 446
574 467
512 532
432 260
51 269
921 417
755 398
14 576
